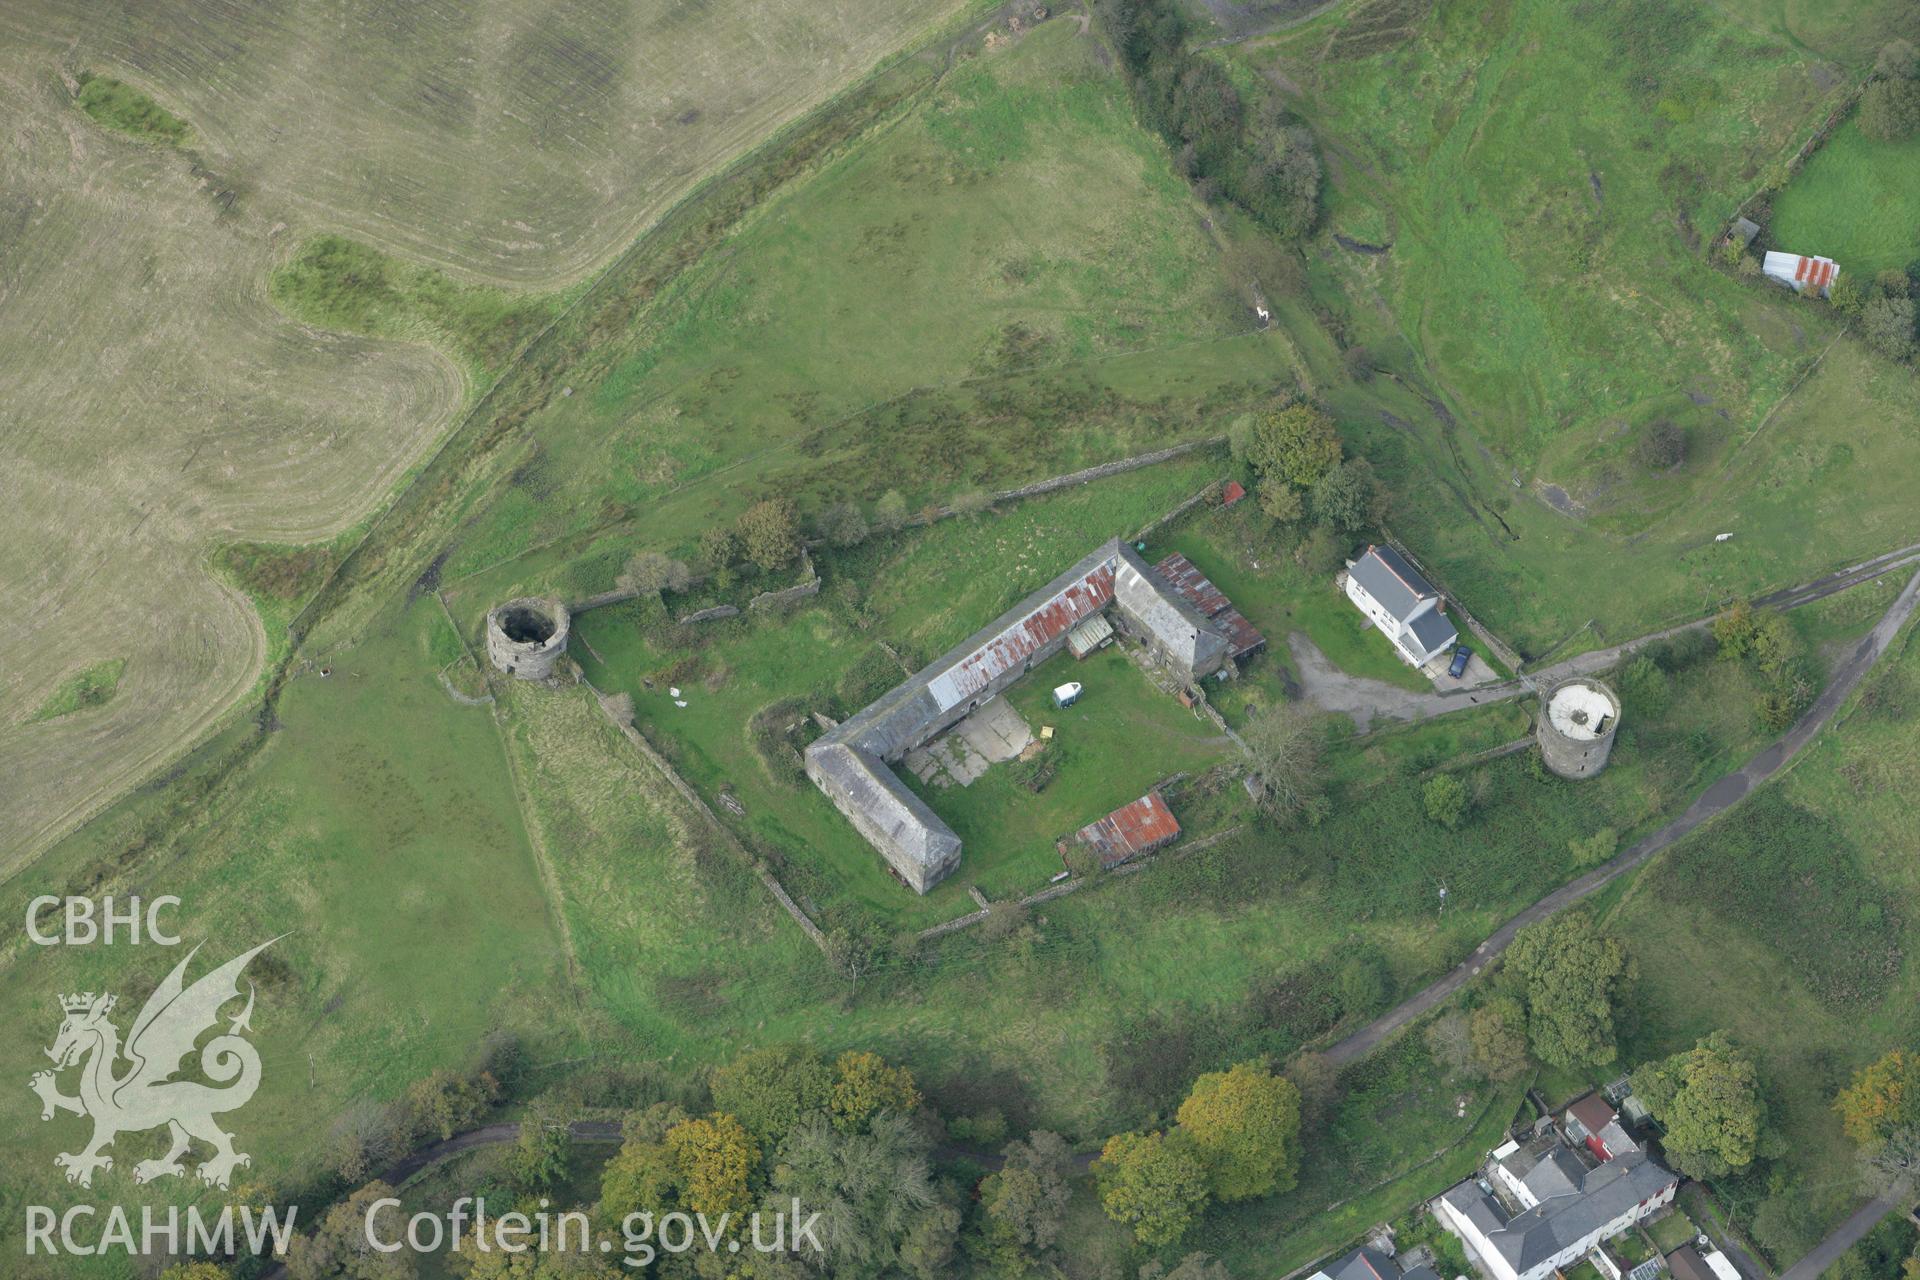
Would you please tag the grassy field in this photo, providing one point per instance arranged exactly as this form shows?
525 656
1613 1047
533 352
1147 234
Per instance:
1857 201
1793 925
84 690
1538 297
378 831
118 105
163 404
1006 282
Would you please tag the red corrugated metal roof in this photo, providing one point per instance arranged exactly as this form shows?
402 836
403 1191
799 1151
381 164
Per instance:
1131 830
1200 592
1232 493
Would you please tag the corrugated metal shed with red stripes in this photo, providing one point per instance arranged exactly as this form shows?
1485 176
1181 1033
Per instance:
1198 590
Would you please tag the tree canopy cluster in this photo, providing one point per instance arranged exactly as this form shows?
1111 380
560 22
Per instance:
1236 1138
1258 157
1294 452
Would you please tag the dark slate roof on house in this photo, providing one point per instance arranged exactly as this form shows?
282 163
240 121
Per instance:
1551 1226
1433 629
1388 578
1686 1264
1559 1173
1477 1207
1361 1264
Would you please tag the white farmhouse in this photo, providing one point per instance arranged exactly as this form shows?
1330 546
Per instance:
1402 603
1545 1207
1801 273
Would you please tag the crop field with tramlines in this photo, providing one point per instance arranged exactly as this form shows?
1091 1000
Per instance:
163 159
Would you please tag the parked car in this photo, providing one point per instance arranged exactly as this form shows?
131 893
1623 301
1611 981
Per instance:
1461 657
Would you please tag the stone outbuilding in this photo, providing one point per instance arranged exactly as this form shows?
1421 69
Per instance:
526 638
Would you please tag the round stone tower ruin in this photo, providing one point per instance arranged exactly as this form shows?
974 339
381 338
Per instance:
527 637
1576 726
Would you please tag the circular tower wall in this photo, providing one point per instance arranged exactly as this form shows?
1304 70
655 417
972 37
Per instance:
1576 727
526 637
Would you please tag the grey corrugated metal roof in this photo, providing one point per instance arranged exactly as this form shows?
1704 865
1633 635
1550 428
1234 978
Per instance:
1389 579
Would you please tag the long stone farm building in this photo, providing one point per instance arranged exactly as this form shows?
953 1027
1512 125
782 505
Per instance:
853 763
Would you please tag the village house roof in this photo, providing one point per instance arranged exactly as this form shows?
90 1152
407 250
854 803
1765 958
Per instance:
1399 588
1686 1264
1531 1237
1371 1264
1433 629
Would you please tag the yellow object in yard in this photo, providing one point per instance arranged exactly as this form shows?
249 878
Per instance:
1046 731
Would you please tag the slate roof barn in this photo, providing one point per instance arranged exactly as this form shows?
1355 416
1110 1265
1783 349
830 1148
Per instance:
1197 590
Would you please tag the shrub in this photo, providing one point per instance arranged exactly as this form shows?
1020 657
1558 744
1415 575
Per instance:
1446 800
842 525
1890 110
1664 446
769 532
1887 325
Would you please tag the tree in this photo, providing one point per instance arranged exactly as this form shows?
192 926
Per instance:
771 1091
1318 1081
1281 501
865 1086
538 1160
1880 1112
1155 1183
842 525
196 1271
1245 1124
1896 61
445 1102
1847 296
1498 1030
1890 110
855 948
1595 849
1707 1098
1359 362
890 513
1285 751
1346 497
769 532
1295 444
1363 981
339 1249
873 1191
364 1139
1026 1201
1570 971
642 1177
715 1157
1195 1266
719 547
1887 325
1446 800
649 573
483 1255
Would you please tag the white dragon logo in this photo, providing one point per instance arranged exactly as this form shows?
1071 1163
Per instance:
145 1097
